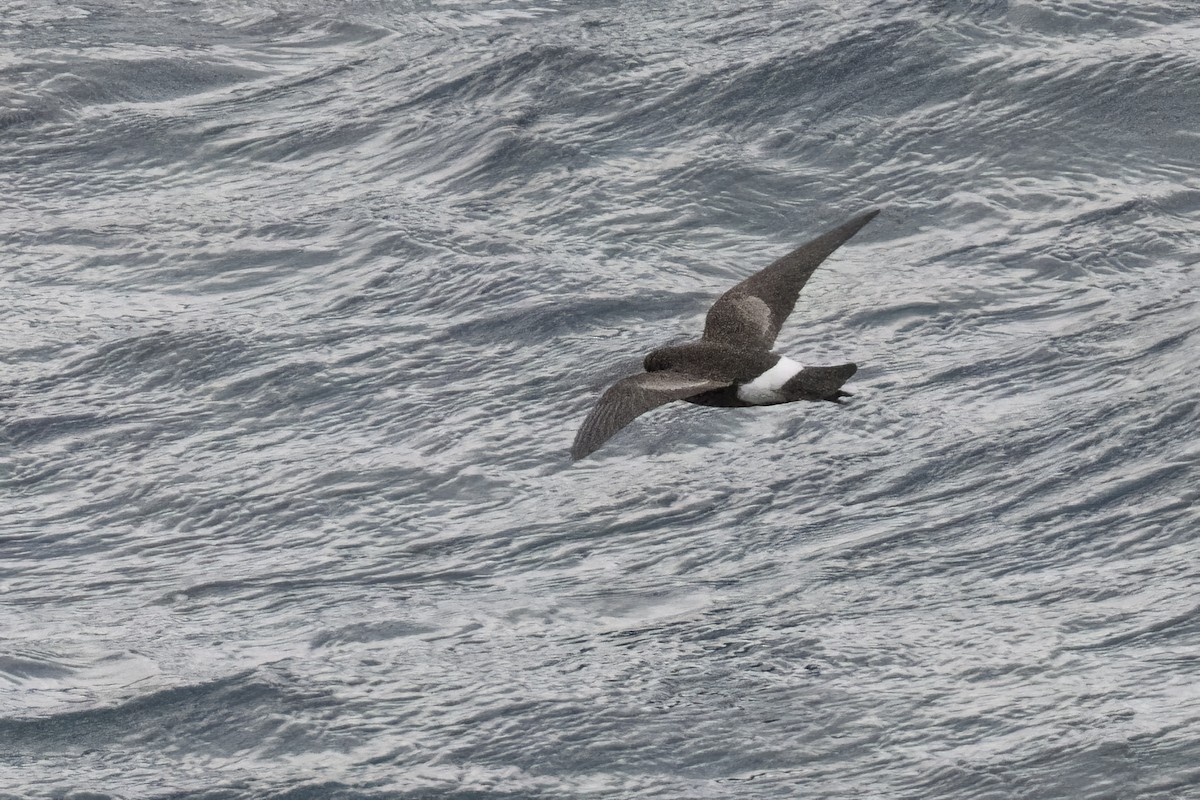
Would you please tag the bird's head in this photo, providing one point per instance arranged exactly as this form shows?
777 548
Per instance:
659 359
655 361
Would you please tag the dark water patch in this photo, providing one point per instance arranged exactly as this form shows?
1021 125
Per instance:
18 669
254 704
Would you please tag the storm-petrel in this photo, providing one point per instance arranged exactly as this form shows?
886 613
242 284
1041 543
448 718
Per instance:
732 363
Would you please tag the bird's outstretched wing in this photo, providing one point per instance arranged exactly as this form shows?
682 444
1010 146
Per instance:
751 313
631 397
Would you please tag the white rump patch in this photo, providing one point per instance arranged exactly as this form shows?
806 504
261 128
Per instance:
765 389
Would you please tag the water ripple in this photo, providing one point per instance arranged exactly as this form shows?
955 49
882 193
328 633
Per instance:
304 307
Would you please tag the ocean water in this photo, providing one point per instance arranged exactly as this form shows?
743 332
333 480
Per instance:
303 302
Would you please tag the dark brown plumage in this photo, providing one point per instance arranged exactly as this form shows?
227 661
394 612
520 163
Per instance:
732 364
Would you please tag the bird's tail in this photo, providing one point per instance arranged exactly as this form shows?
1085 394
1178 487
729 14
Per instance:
819 383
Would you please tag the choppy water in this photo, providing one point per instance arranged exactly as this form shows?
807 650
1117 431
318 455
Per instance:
303 303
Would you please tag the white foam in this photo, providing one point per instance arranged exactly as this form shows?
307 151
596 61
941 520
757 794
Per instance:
765 389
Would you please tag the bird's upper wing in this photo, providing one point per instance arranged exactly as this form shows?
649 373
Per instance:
631 397
751 313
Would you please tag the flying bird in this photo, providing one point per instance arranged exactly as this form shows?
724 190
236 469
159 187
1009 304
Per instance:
732 364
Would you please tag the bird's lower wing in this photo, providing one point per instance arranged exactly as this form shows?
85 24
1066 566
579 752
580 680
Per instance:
631 397
751 313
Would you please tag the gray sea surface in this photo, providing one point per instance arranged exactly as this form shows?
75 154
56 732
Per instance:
301 304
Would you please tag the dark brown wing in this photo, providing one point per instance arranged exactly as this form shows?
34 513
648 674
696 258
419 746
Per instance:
631 397
751 313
